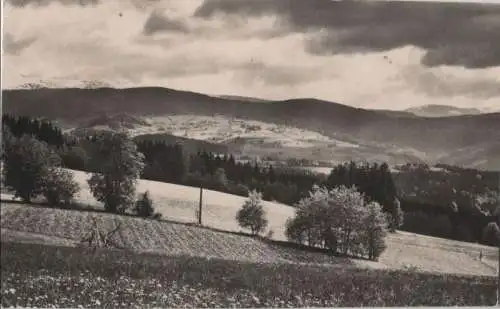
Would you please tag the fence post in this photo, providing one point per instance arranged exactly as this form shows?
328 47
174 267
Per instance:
200 206
498 246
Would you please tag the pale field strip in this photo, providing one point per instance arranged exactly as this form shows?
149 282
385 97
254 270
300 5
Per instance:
220 129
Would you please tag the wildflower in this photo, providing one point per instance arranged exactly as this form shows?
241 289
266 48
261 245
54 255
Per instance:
256 299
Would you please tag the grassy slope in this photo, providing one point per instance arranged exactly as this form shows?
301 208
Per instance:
23 223
179 203
46 276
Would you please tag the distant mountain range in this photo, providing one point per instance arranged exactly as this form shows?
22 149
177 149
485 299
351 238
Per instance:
442 111
393 136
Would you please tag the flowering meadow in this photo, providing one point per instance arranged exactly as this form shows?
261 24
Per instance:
50 276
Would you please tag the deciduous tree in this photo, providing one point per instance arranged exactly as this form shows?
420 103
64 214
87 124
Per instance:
252 215
27 162
373 231
117 164
59 187
338 219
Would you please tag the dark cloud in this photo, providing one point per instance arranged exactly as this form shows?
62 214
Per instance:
475 55
23 3
157 22
15 47
240 7
452 33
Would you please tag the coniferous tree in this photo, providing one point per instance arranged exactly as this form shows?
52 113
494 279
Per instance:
396 216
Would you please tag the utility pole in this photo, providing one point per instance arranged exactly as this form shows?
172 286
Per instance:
498 241
201 205
498 246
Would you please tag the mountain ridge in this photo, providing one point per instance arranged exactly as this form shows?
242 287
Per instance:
435 137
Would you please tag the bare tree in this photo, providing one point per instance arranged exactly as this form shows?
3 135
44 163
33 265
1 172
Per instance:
97 237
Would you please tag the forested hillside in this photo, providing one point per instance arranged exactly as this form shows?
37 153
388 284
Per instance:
470 140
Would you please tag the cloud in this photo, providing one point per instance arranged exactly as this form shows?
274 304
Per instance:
440 83
185 45
157 22
451 33
13 46
23 3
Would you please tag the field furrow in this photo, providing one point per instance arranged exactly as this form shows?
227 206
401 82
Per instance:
163 238
404 249
149 235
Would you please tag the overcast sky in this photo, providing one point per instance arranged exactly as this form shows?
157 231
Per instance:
365 54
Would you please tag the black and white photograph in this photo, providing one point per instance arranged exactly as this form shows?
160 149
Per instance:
250 153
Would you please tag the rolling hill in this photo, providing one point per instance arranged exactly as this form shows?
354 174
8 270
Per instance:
380 135
179 203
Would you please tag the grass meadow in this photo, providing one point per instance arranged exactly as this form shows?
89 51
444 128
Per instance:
45 276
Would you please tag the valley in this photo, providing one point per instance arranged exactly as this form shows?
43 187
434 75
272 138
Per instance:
249 154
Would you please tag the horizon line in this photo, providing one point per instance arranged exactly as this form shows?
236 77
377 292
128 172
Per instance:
263 100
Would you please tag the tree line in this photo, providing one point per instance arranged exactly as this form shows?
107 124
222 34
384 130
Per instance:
43 130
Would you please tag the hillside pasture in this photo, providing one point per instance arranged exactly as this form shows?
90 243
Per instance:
41 225
179 203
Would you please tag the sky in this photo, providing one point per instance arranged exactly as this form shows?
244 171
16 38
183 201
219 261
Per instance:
368 54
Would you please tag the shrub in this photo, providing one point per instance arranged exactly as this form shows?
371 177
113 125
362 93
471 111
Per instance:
238 189
251 215
59 187
220 177
144 206
491 234
270 234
